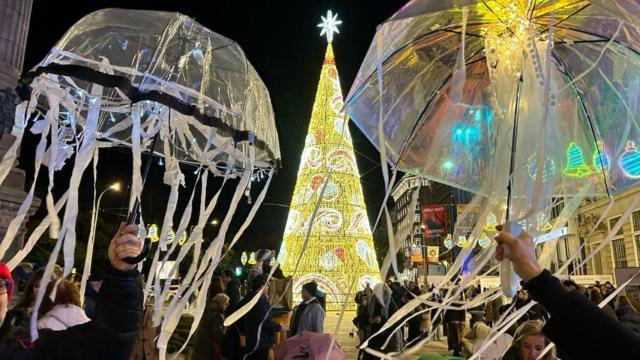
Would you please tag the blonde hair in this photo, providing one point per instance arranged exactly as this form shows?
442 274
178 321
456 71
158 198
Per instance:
220 299
532 328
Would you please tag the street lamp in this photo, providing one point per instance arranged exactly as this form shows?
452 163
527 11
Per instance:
215 222
92 235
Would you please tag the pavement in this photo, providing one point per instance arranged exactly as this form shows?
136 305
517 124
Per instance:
347 336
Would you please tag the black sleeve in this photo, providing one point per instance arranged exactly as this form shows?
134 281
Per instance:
578 327
111 334
269 325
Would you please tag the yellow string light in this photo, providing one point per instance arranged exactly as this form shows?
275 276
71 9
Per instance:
340 249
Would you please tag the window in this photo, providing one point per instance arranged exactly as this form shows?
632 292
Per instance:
618 250
619 253
635 220
416 218
557 209
635 226
612 223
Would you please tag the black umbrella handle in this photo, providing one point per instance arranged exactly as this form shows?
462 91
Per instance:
135 210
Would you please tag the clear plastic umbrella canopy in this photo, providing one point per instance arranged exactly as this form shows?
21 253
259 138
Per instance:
445 83
146 80
185 78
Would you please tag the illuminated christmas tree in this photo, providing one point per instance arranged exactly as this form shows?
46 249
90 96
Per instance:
340 250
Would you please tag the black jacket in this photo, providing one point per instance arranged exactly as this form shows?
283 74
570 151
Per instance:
232 290
110 335
577 326
251 321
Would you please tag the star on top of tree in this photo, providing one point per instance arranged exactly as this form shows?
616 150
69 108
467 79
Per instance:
329 25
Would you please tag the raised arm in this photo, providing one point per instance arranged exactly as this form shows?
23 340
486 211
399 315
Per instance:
577 326
112 333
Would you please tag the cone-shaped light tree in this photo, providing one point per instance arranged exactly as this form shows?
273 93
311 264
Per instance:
327 209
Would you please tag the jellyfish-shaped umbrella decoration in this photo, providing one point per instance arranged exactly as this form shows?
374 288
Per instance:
519 102
147 81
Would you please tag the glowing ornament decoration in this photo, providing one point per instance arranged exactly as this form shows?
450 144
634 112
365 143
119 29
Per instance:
543 224
340 248
252 258
329 25
447 166
462 242
630 161
448 242
576 166
244 258
600 158
171 236
492 221
152 233
484 241
329 260
548 168
183 238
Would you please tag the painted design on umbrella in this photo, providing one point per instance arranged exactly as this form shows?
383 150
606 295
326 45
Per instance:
576 166
630 161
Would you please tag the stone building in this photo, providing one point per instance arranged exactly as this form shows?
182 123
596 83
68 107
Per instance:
624 249
14 17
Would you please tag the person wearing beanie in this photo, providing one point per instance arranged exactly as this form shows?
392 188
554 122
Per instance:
110 335
309 315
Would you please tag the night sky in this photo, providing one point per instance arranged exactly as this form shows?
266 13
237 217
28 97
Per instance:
281 40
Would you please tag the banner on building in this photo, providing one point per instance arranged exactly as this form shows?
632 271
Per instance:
434 220
416 254
433 253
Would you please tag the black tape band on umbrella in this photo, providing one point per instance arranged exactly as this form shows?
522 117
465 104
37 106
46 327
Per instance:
134 94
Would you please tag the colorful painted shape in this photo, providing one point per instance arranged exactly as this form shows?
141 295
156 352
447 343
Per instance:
630 161
448 242
484 241
576 166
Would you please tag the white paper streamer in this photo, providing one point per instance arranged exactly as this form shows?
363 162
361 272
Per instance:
92 231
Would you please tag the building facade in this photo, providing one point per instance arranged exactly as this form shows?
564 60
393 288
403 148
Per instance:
409 196
624 249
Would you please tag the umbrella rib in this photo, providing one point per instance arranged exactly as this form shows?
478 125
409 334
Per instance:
560 8
563 71
599 36
497 17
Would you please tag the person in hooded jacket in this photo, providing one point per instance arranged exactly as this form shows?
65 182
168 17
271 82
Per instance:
208 341
66 311
118 313
381 306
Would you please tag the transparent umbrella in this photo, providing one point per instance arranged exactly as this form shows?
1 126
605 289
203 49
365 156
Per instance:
146 81
520 101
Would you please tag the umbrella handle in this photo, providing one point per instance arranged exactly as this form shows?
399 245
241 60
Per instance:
133 215
147 242
508 279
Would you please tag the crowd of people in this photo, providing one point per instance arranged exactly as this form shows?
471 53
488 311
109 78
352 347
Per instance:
109 323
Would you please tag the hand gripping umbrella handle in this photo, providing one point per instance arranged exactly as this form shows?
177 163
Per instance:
133 215
509 280
147 242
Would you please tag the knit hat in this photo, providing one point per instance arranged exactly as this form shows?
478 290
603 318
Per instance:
5 274
311 287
